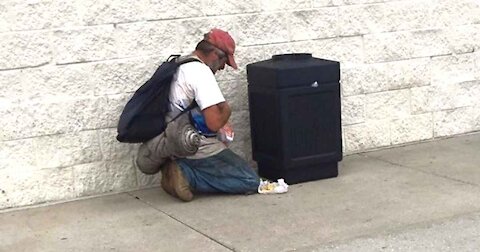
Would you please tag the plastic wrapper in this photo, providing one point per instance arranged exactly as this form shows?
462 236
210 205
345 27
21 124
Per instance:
268 187
226 134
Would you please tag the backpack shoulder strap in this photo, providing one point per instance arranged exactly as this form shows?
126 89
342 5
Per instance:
190 107
182 60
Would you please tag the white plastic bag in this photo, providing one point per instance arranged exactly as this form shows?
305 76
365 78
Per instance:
268 187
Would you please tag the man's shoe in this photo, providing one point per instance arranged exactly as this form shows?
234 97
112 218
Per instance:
174 183
165 181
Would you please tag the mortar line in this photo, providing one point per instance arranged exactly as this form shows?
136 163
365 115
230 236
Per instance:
181 222
23 67
422 171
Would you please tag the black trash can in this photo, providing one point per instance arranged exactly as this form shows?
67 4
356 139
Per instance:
295 120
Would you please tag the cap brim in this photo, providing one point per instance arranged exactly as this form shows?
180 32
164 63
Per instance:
231 62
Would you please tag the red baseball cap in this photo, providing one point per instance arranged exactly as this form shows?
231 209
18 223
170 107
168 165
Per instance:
223 41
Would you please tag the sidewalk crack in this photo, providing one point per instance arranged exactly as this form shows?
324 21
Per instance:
183 223
422 171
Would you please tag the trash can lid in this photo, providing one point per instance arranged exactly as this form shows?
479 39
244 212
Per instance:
292 56
293 69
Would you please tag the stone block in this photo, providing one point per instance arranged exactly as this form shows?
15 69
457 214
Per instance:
123 76
114 107
422 99
353 109
230 74
323 3
235 93
347 50
390 104
408 15
463 39
352 79
238 102
352 2
35 15
108 12
94 113
57 81
456 121
476 56
122 174
446 97
112 149
11 84
55 184
85 44
66 150
215 8
91 179
279 5
460 94
390 76
24 187
453 69
79 80
149 38
243 57
24 49
240 121
193 30
314 24
454 13
264 29
33 118
87 113
411 129
384 47
368 135
173 9
361 19
18 153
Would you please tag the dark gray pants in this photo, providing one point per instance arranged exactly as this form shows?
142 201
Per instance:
180 139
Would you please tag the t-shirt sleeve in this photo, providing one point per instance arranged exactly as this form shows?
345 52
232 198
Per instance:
205 86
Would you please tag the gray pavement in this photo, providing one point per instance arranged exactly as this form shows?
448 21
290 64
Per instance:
421 197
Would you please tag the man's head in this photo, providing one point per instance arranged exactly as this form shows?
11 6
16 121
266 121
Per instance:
217 49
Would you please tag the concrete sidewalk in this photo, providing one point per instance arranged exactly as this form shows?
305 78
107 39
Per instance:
422 197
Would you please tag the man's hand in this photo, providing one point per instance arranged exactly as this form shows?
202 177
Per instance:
226 133
217 116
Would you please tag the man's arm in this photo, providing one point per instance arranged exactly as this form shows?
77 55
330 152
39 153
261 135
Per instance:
217 116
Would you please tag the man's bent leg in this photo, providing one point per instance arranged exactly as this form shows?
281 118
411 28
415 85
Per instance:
179 139
152 155
224 172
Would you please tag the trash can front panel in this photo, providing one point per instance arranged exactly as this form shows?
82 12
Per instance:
264 123
311 124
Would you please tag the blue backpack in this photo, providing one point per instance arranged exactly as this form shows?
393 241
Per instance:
143 117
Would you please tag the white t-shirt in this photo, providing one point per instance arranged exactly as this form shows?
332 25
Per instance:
195 80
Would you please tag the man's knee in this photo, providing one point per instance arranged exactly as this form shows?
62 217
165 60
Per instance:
146 161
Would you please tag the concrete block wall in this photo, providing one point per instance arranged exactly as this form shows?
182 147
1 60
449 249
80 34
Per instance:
410 72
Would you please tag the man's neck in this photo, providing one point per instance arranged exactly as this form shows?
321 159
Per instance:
201 56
